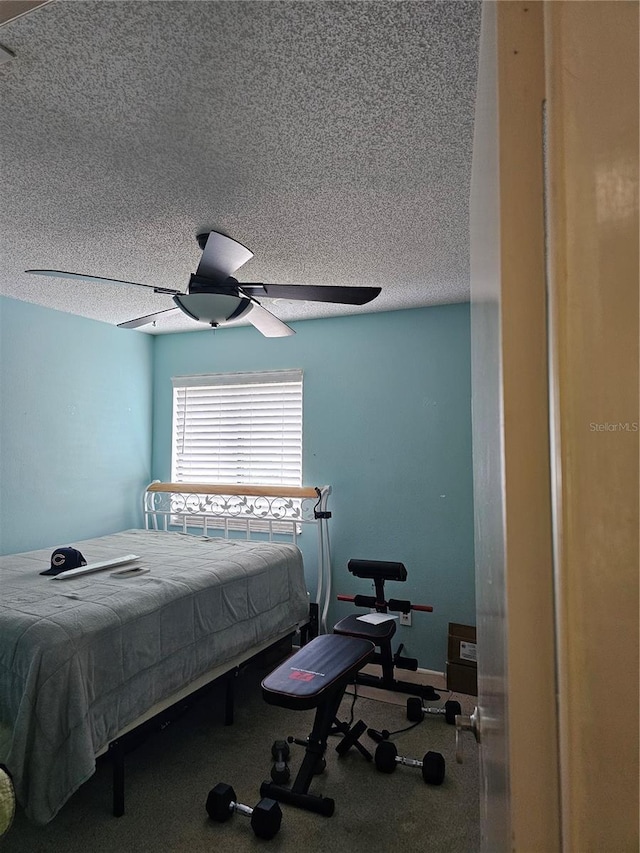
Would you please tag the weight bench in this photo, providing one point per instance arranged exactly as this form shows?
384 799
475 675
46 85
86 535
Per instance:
316 676
381 634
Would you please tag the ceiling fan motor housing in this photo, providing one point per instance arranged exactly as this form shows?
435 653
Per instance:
204 284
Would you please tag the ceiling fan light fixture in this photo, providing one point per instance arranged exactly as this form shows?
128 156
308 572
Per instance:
213 308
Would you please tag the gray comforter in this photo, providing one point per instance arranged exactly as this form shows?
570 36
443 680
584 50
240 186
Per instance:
81 659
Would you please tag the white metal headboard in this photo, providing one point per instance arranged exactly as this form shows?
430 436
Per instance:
217 509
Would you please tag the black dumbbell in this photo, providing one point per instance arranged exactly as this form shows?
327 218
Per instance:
266 817
280 772
432 764
416 711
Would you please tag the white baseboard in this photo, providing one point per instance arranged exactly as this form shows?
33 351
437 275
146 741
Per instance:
430 672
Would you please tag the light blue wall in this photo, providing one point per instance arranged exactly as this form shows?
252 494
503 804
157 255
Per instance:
75 427
387 423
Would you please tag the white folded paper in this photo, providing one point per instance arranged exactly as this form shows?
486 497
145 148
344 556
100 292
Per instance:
376 618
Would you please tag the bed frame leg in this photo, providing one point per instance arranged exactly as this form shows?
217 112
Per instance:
310 630
229 696
116 753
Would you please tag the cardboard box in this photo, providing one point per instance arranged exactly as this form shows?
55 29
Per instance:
461 646
462 666
462 678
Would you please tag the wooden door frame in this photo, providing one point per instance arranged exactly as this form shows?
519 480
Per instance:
518 718
592 91
570 781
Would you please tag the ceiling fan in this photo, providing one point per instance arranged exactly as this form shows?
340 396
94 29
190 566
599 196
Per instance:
213 296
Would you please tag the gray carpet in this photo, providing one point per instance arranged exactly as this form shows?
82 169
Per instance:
169 775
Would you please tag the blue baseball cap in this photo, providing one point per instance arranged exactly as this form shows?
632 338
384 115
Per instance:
64 559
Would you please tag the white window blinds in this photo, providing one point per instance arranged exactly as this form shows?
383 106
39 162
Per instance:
238 428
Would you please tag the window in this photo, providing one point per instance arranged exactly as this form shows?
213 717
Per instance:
238 428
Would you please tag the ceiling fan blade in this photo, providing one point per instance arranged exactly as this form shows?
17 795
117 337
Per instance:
148 318
268 323
313 293
222 256
83 277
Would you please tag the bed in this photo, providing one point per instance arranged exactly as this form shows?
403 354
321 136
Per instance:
85 660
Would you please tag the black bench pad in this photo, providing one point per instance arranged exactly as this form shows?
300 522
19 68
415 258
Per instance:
325 664
351 626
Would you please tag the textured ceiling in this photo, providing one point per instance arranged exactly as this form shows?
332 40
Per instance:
332 138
